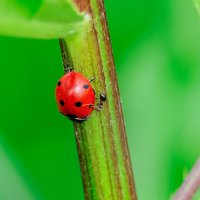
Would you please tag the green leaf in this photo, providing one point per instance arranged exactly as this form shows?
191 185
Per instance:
39 18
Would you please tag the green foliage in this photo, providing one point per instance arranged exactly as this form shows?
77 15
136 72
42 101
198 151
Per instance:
11 177
156 50
197 195
197 5
159 81
36 138
39 19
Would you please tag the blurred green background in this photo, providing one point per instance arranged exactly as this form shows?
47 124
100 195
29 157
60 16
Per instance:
156 47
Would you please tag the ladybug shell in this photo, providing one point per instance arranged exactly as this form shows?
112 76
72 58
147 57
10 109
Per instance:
74 96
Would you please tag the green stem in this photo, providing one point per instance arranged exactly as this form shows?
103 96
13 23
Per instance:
101 141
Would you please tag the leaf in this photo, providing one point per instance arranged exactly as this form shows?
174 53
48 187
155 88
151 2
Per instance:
39 18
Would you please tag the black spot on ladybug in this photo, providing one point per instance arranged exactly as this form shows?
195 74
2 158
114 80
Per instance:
62 103
86 86
78 104
59 83
71 116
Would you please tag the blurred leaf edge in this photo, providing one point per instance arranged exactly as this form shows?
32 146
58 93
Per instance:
40 19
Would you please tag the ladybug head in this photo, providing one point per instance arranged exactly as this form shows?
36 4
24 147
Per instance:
102 97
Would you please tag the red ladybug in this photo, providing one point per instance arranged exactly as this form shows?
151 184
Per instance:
76 97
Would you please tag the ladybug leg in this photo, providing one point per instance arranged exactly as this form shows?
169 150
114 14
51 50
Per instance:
80 120
91 106
68 69
91 79
76 119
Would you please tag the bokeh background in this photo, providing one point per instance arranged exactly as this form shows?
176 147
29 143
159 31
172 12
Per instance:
156 45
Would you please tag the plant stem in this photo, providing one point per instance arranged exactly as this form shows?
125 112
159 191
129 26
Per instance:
101 141
190 185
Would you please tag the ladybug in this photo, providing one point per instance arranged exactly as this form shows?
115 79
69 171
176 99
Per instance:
75 96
